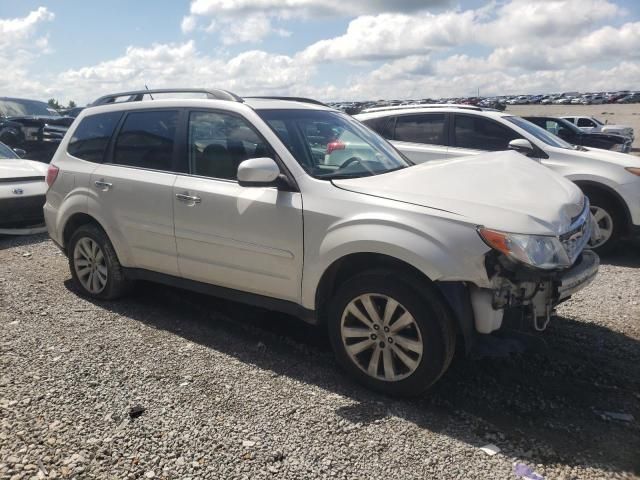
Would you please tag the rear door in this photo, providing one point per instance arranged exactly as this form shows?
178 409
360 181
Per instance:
421 136
243 238
132 193
473 134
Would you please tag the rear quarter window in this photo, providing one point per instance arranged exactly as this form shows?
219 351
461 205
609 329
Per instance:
90 139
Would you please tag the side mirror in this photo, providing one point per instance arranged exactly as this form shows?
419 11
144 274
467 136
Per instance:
20 152
522 146
258 172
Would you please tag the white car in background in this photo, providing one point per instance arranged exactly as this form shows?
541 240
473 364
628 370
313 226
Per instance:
22 194
611 180
593 125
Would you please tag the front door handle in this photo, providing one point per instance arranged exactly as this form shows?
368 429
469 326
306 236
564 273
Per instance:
186 198
102 185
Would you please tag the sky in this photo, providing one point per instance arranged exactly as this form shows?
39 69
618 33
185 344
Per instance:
325 49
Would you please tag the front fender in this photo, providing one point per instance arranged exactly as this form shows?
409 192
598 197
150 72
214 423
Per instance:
443 250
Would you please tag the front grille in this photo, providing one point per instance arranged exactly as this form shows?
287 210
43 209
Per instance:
576 238
21 212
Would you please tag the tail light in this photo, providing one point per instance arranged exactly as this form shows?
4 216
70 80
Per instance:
52 174
336 145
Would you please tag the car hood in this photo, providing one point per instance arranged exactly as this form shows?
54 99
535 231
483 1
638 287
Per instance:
501 190
11 169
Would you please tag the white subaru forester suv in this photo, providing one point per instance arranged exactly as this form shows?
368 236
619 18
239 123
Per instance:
240 198
611 180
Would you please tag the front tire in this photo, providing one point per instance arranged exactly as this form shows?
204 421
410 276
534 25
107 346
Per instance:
390 334
94 264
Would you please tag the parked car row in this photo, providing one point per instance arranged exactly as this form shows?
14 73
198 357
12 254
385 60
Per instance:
500 102
408 232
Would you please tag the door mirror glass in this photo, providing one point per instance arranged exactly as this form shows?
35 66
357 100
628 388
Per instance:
20 152
522 146
258 172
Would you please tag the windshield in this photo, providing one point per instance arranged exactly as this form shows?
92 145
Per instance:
331 145
597 121
6 152
539 133
23 108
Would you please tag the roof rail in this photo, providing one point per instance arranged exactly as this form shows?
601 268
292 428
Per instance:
424 105
138 95
292 99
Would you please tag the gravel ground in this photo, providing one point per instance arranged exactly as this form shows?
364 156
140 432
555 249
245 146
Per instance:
236 392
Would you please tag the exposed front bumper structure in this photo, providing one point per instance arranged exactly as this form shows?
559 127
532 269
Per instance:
535 293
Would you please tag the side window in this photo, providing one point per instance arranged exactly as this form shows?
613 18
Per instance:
585 122
481 133
219 142
146 140
90 139
570 119
381 125
425 128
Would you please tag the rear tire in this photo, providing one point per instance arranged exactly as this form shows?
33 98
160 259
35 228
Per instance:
610 221
94 264
390 334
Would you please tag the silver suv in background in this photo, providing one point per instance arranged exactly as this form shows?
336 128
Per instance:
266 201
611 180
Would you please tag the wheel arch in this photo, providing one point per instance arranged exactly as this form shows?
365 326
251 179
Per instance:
596 187
454 295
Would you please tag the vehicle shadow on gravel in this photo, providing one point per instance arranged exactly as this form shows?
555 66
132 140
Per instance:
626 255
543 408
12 241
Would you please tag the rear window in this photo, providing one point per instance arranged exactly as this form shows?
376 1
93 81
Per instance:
89 141
146 140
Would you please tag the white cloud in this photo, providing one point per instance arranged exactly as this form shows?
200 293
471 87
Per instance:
542 46
253 18
182 65
188 24
394 36
20 42
518 22
308 8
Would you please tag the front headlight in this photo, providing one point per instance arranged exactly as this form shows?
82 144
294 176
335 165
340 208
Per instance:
536 250
618 147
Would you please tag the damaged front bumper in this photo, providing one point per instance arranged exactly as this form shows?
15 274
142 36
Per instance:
534 293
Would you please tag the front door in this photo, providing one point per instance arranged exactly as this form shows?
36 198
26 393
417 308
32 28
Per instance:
244 238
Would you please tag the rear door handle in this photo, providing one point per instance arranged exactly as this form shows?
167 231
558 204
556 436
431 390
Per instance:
183 197
102 185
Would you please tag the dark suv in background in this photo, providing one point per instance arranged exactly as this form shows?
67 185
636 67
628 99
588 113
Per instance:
572 134
31 126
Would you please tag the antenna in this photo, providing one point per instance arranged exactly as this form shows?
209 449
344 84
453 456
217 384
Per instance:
145 86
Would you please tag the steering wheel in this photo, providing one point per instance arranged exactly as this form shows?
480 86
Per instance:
349 161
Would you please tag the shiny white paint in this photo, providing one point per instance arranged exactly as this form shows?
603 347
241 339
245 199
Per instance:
279 244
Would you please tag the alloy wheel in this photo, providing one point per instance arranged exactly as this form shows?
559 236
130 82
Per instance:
605 224
381 337
90 265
